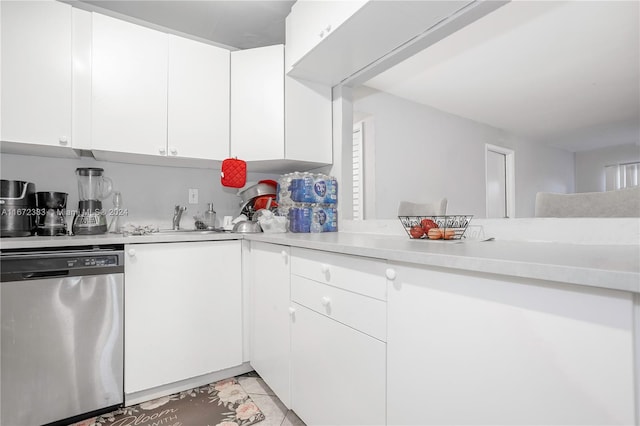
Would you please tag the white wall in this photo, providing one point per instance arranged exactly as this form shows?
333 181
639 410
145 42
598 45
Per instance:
149 192
590 165
423 154
540 168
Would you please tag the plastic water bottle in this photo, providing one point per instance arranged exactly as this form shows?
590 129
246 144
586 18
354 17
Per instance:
315 224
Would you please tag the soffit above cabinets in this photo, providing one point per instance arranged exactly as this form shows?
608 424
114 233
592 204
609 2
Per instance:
232 24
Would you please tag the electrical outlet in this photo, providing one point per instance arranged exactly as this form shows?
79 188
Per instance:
193 196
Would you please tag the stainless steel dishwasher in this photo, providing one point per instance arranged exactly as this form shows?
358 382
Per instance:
62 334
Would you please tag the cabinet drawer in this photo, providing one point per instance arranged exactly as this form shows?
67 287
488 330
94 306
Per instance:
357 274
363 313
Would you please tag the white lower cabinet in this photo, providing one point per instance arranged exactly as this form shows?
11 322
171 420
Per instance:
476 349
183 312
338 333
270 342
337 372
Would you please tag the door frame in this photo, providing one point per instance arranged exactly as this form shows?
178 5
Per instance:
510 178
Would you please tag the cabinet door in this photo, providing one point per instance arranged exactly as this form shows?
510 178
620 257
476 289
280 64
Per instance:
129 87
36 72
308 122
183 311
198 100
310 22
257 103
337 375
270 306
465 349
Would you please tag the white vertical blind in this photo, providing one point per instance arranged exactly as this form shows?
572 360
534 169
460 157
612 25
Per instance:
358 203
619 176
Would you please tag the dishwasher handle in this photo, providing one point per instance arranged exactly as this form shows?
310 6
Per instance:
45 274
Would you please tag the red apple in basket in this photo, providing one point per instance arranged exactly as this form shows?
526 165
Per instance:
416 231
427 224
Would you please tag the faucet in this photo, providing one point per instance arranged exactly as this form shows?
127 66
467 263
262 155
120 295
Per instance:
177 215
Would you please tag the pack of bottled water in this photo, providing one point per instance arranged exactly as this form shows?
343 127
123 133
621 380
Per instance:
309 200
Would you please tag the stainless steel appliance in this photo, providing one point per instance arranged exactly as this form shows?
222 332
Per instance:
62 334
93 187
18 208
51 218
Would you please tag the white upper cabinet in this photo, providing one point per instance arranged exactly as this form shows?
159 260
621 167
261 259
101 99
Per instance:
328 41
308 121
276 118
129 87
198 102
257 103
36 73
309 23
158 95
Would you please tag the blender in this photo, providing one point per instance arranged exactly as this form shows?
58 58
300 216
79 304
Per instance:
93 187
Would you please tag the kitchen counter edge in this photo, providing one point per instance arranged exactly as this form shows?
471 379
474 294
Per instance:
614 267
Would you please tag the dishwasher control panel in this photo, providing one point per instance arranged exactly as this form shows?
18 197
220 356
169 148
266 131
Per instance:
43 264
83 262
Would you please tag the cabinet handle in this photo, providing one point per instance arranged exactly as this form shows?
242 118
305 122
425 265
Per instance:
162 151
131 252
391 274
283 253
324 268
326 301
292 311
63 140
328 29
321 34
173 151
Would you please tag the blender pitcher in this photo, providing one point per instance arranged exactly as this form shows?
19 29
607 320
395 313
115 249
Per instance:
93 187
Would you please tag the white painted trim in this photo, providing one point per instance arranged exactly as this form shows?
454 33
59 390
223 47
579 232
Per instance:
636 355
510 178
194 382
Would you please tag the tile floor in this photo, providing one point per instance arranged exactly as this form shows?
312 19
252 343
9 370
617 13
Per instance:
276 414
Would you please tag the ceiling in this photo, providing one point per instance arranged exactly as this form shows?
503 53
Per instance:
238 24
565 73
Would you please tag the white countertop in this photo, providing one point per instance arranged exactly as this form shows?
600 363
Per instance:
608 266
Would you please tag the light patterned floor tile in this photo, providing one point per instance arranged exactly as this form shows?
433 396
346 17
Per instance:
291 419
273 410
254 385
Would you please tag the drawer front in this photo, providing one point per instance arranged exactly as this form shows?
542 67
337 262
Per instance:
357 274
362 313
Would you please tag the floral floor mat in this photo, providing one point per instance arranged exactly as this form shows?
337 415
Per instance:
223 403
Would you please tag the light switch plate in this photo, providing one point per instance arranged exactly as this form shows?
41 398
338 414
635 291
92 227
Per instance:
193 196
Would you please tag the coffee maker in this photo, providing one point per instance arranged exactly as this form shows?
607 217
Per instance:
93 187
17 208
51 213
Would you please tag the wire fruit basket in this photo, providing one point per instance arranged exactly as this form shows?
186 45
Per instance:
450 227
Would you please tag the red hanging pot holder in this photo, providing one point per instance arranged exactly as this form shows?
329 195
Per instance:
233 173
